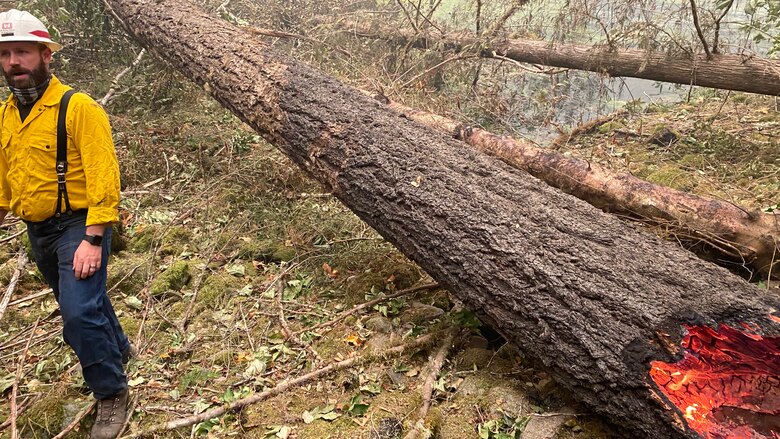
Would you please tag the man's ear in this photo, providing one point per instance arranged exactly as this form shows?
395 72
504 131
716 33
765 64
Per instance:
46 54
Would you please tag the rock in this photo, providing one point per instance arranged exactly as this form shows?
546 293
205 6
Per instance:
471 358
478 341
378 343
546 427
663 136
420 313
379 324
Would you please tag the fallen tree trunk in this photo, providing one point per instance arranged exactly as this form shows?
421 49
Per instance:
730 234
590 297
725 71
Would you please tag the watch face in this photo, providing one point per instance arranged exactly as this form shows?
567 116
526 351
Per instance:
93 239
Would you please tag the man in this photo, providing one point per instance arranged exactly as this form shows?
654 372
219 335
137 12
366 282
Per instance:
68 224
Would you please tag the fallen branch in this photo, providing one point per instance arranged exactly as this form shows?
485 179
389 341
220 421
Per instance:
368 304
105 100
12 237
585 128
289 335
76 421
436 364
45 292
237 405
15 390
21 261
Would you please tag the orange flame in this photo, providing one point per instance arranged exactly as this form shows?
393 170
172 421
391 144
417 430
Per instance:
727 386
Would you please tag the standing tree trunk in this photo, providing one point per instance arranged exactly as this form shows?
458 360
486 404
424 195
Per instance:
587 295
724 71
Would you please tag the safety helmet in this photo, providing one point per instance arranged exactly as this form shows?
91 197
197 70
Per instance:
18 25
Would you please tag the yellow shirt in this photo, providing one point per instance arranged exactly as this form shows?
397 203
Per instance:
28 151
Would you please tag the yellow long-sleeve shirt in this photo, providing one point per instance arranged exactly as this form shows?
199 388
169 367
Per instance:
28 151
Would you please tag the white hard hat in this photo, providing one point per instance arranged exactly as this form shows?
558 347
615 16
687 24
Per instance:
18 25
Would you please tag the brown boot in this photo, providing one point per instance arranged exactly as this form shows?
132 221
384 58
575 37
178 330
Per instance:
111 416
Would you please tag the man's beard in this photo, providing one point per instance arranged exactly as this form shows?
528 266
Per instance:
34 77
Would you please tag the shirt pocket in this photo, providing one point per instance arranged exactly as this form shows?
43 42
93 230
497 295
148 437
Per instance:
42 155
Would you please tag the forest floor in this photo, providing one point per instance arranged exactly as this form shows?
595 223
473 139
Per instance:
232 272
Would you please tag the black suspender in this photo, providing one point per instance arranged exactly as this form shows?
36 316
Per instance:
62 156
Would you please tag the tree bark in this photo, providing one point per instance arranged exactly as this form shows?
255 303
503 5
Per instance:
731 235
575 288
724 71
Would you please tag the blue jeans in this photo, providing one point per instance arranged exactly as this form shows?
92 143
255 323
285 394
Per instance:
90 326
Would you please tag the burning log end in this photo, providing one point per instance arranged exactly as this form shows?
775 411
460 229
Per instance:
726 385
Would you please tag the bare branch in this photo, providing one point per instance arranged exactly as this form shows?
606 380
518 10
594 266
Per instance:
715 42
516 4
105 100
21 261
695 13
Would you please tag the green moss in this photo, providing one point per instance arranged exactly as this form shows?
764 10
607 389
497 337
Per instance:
118 238
216 287
172 279
671 176
144 239
608 127
45 418
175 241
131 270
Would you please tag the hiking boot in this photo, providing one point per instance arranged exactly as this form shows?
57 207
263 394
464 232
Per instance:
111 416
127 354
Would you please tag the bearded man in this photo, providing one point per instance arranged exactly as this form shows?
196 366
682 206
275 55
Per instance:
68 204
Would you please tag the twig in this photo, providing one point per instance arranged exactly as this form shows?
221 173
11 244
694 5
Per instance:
446 61
76 421
408 17
586 128
239 404
287 35
715 39
45 292
516 4
12 237
21 261
368 304
289 335
20 366
27 403
436 364
115 83
703 40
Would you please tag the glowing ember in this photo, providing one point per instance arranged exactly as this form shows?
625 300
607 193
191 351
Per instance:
728 383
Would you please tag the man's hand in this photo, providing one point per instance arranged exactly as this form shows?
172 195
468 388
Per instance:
88 257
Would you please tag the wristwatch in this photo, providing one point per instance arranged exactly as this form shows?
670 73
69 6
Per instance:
93 239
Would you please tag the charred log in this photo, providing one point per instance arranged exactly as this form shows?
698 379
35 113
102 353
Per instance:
724 71
732 236
589 296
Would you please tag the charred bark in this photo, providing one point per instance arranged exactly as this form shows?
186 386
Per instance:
575 288
732 236
724 71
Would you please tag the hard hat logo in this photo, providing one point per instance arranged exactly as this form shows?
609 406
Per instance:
18 26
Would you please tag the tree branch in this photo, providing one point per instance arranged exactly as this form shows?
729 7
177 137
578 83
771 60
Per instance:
436 364
496 27
695 13
237 405
21 261
718 20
